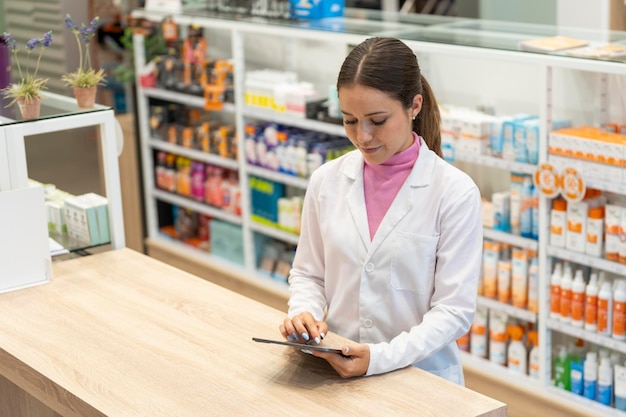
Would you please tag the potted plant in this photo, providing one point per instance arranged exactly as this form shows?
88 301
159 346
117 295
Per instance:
27 92
85 79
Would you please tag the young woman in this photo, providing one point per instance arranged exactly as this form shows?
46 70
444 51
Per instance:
390 248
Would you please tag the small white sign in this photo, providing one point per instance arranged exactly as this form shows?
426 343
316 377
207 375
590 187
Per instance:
169 6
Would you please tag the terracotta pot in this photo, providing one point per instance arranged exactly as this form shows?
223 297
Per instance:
29 109
85 96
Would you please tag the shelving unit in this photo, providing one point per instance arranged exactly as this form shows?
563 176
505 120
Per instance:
444 48
58 113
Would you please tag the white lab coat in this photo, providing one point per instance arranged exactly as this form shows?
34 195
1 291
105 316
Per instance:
411 291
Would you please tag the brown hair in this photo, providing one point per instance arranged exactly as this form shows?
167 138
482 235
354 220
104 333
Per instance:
389 65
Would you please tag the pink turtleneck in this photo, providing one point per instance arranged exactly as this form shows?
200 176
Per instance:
383 181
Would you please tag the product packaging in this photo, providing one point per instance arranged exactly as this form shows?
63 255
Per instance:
605 382
620 386
555 292
558 222
478 337
591 303
578 300
605 309
566 293
590 376
497 336
619 311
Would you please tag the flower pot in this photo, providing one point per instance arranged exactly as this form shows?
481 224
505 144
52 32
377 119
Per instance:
85 96
29 109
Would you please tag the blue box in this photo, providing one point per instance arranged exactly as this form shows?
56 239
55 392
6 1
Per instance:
316 9
227 241
264 195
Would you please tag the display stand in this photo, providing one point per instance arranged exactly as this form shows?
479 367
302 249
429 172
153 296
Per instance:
24 242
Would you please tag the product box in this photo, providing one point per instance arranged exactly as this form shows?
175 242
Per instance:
264 196
316 9
87 219
227 241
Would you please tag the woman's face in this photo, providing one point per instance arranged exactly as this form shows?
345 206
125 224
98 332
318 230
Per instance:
376 124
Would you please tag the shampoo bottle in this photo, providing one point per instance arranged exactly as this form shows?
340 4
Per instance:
555 292
619 310
562 369
533 356
578 299
566 293
605 309
605 381
591 303
590 376
516 352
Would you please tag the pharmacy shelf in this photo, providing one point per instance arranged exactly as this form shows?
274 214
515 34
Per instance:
213 261
593 337
591 261
511 311
485 366
182 98
511 239
295 121
279 177
594 408
196 206
194 154
275 233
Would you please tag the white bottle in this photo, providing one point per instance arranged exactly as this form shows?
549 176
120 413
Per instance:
516 352
619 311
605 382
566 294
558 223
533 285
555 292
533 356
526 212
605 309
595 231
591 303
578 300
590 376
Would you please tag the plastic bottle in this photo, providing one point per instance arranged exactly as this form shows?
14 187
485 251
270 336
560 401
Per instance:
526 217
533 284
591 303
590 376
504 280
519 277
533 355
605 382
562 369
619 311
595 231
605 309
478 337
578 299
516 352
535 213
555 292
558 216
566 293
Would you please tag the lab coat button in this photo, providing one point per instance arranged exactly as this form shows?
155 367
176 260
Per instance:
369 267
368 323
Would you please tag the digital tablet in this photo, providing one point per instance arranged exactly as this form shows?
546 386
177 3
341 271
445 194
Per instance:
298 345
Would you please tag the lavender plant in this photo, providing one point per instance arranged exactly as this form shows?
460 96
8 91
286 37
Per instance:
85 75
29 87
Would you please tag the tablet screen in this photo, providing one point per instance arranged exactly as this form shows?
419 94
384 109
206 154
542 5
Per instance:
298 345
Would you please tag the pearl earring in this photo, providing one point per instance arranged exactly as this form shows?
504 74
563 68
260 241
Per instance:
413 117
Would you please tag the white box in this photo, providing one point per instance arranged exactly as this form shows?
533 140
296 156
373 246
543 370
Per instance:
24 247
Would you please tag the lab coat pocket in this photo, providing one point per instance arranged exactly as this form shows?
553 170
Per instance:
413 262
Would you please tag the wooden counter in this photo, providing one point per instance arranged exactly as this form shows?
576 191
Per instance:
122 334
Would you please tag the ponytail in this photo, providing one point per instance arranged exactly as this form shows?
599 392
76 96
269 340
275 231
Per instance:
428 123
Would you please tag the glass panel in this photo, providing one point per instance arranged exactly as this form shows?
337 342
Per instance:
52 106
490 34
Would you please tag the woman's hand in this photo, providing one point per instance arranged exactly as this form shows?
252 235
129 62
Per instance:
303 328
354 360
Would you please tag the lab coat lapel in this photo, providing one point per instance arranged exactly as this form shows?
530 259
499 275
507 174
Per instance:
355 198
